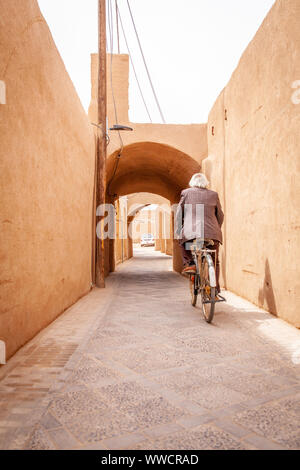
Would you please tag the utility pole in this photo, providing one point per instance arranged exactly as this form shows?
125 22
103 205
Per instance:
101 140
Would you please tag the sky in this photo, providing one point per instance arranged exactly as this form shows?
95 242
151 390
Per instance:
191 47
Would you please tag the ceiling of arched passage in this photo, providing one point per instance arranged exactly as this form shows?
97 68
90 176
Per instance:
135 211
151 167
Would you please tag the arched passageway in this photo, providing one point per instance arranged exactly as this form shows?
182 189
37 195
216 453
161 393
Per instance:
148 167
148 213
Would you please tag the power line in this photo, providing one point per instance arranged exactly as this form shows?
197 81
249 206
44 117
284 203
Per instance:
117 22
148 73
111 33
111 37
133 67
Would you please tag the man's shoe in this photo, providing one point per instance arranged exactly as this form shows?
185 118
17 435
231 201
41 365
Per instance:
189 270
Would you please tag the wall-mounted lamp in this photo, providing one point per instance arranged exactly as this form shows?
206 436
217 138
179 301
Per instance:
120 127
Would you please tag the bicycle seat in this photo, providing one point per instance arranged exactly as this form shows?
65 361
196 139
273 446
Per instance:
203 242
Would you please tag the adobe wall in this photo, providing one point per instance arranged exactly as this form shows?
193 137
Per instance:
122 240
254 163
47 178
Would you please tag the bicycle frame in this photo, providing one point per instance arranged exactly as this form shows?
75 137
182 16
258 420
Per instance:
204 279
199 249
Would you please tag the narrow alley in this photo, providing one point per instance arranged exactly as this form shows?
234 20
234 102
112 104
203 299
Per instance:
137 367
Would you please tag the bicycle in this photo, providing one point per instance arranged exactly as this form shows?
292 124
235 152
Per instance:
204 280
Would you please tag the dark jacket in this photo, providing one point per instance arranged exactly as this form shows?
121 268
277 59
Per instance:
209 202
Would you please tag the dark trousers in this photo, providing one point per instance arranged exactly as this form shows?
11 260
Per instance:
187 258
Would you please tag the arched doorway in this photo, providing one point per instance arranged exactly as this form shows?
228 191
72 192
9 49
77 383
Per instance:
153 168
149 213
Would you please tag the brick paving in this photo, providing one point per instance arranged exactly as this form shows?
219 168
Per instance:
135 366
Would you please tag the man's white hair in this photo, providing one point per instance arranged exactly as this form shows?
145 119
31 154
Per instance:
199 180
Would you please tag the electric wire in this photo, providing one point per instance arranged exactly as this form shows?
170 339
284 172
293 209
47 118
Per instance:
117 23
145 63
132 64
111 34
111 38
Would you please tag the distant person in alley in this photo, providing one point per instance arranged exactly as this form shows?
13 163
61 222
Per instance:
199 215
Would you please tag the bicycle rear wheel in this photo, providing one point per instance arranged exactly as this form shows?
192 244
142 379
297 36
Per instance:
193 289
208 293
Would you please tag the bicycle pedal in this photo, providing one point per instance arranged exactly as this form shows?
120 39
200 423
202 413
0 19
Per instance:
220 298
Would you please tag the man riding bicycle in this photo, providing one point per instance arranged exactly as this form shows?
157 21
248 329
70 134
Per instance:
202 215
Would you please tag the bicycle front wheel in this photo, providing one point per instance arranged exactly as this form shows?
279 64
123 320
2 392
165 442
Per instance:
208 293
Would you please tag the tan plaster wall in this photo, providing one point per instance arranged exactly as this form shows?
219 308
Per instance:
121 242
169 233
254 163
213 167
164 230
46 179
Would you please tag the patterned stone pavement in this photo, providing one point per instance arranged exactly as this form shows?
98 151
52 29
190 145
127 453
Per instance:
135 366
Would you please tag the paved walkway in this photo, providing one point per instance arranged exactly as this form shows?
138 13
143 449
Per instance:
136 367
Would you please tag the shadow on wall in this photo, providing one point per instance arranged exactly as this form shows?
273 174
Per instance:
267 292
